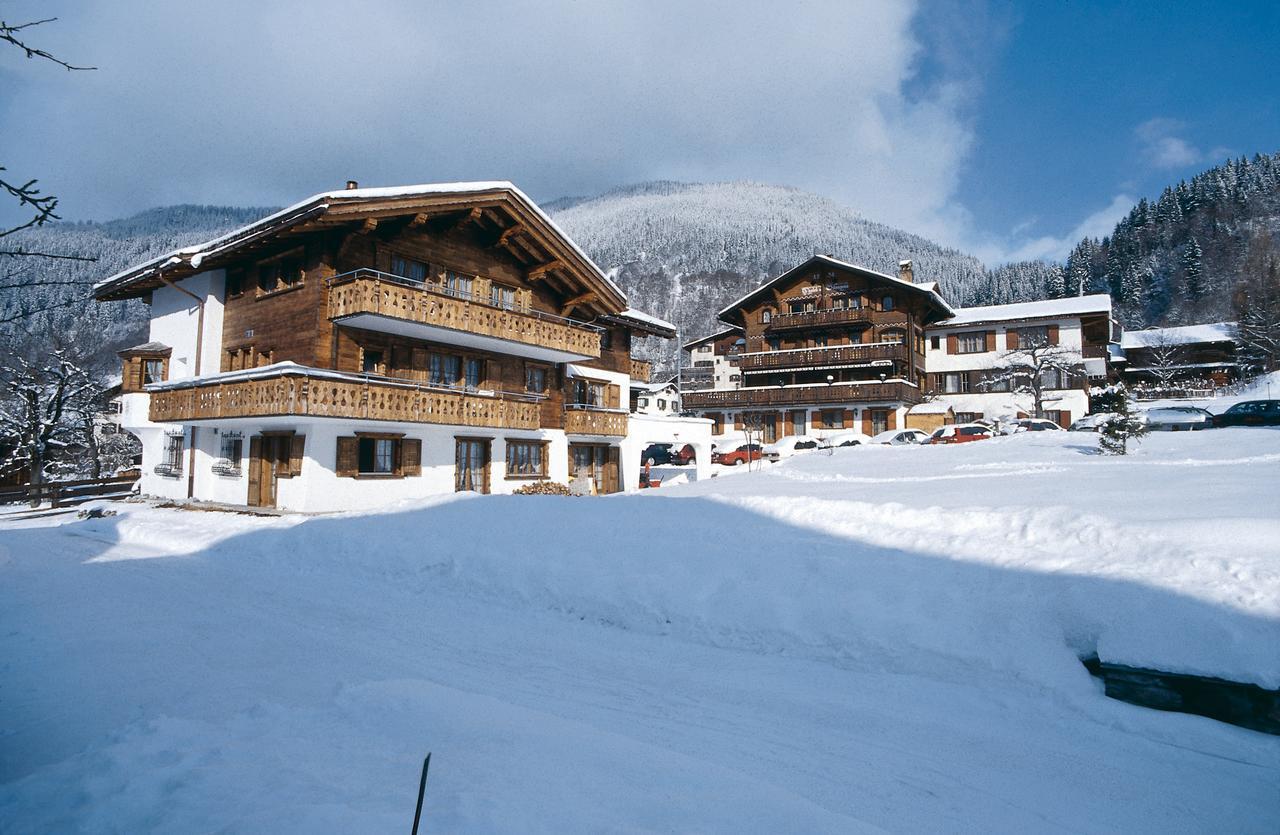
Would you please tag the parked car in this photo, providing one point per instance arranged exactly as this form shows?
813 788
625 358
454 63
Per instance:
900 437
684 455
961 433
849 438
1178 418
655 454
789 445
741 455
1250 413
1032 425
1090 423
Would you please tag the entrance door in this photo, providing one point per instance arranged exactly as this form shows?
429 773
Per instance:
472 466
879 421
797 422
268 461
599 463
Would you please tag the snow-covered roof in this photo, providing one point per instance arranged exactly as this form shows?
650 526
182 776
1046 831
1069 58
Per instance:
645 321
653 388
711 337
933 407
1044 309
927 287
319 203
1184 335
148 348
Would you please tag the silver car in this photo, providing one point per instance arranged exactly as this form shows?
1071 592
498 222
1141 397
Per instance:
1178 419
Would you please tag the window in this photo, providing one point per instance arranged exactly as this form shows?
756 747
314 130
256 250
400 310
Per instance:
370 361
802 307
235 283
526 459
535 380
971 343
935 342
832 418
886 303
152 371
662 405
895 336
377 456
291 272
997 382
642 402
775 343
409 268
588 393
1052 378
955 383
820 341
279 274
457 285
231 448
171 463
475 373
879 421
1032 337
855 302
445 370
502 296
606 339
766 316
968 417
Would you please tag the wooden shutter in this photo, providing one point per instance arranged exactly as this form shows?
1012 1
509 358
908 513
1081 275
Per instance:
348 457
411 456
296 445
611 483
1011 339
612 396
737 421
866 421
1053 334
255 469
991 340
953 344
846 418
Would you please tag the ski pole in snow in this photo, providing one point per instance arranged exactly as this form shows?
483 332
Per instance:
422 789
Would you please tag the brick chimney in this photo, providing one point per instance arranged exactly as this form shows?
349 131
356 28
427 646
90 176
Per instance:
905 272
352 185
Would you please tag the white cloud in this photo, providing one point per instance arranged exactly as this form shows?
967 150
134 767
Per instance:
1016 247
1163 147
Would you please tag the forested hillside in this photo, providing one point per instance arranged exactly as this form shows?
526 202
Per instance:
1180 259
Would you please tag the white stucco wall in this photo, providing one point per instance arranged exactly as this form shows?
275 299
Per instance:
173 321
939 361
649 429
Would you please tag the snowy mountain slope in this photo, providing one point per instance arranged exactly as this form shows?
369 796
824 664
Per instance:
684 250
883 638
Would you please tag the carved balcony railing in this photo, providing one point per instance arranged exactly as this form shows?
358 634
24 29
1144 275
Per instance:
591 420
834 355
382 294
888 392
270 392
836 316
641 370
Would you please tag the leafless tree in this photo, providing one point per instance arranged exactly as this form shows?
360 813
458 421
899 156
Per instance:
1035 367
1166 358
43 207
1257 304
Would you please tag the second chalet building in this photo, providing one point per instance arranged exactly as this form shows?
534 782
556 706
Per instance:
369 345
826 345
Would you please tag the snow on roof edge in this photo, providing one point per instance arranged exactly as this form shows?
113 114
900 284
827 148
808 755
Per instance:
1042 308
1180 335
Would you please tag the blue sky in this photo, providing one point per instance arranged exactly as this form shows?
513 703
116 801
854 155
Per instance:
1005 130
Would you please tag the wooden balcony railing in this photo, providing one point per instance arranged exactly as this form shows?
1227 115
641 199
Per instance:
292 392
641 370
889 392
587 420
840 316
833 355
370 291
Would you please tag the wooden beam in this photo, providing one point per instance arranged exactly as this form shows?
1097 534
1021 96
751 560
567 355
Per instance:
469 217
507 234
581 298
539 271
419 219
370 224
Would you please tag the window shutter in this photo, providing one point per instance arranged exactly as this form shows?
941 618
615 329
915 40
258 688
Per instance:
866 421
1053 334
1064 419
255 468
1011 339
991 340
411 456
612 397
846 418
893 417
953 344
737 421
348 457
296 445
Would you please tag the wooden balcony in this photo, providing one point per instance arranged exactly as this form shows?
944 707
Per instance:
841 316
296 393
641 370
888 392
379 301
817 357
592 421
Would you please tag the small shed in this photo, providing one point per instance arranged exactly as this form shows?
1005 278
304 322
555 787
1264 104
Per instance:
930 416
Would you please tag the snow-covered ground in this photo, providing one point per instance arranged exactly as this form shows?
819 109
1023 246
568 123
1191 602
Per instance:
885 638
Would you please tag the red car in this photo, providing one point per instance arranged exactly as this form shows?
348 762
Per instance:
684 455
960 434
741 455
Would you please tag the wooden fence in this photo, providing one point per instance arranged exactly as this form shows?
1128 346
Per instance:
61 493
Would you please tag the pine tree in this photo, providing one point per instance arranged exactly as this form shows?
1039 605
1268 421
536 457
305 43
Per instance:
1123 426
1193 270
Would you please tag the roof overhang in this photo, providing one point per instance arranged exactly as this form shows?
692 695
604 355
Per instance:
354 206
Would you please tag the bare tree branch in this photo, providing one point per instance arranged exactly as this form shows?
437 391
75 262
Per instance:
9 34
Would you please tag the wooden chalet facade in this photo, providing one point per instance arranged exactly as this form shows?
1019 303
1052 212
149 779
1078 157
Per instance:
827 346
426 338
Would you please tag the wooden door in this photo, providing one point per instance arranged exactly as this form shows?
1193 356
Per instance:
471 466
611 477
255 471
268 461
